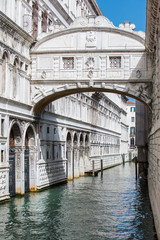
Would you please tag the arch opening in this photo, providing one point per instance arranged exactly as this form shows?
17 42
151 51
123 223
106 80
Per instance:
14 159
29 160
42 103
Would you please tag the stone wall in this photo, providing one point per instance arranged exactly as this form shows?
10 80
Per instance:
153 47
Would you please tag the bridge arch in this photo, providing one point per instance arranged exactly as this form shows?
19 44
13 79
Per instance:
92 55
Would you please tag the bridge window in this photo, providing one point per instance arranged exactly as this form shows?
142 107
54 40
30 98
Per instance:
68 63
115 62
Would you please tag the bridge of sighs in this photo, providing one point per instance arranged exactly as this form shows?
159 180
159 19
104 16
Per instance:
91 55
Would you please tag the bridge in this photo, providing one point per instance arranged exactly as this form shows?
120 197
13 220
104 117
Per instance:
91 55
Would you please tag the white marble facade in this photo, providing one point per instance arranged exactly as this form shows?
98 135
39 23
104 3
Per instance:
61 139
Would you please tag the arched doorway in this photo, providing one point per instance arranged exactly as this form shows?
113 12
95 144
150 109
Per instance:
14 160
4 72
86 154
75 157
29 160
69 157
81 156
26 165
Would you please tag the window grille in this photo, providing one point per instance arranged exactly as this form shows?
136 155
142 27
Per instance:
68 63
115 62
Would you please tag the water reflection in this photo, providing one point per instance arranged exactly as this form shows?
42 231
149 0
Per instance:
114 206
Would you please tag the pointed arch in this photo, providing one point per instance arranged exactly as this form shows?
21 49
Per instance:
4 72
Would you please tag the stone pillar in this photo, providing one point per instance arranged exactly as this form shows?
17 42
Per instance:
70 162
81 158
35 20
19 166
33 167
76 162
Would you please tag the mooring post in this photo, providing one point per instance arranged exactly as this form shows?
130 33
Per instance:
101 167
93 172
136 167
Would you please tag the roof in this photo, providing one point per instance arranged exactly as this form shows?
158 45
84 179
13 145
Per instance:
129 102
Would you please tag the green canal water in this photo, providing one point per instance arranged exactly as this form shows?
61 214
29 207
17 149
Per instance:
114 206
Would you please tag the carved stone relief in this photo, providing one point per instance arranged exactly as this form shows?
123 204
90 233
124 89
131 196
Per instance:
90 64
91 39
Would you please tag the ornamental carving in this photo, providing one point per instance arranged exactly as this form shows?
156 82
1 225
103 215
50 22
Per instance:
90 63
4 36
138 74
43 75
18 140
91 39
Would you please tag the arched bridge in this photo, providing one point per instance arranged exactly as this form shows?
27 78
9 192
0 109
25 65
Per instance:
91 55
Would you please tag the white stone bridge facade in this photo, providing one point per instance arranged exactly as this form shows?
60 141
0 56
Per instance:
91 55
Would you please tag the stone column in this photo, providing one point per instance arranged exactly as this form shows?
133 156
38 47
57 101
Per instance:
76 162
33 167
81 158
19 168
70 162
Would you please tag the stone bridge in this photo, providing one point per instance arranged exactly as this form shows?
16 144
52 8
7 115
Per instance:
92 55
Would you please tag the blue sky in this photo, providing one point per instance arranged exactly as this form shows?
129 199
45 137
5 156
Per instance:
126 10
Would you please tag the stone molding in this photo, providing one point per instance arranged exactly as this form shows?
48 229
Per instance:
14 30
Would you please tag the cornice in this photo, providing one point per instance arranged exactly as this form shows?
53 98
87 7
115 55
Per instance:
12 28
61 11
95 7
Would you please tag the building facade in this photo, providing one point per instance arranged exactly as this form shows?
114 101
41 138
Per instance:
72 133
131 113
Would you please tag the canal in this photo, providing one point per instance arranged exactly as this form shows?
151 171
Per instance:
114 206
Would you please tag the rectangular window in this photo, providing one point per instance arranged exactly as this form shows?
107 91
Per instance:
47 154
2 155
132 119
68 63
53 151
2 127
132 109
115 62
132 130
41 129
47 129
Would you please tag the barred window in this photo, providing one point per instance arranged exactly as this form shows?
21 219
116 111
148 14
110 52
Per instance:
115 62
68 63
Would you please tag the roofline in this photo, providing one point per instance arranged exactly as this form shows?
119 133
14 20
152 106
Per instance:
95 7
86 29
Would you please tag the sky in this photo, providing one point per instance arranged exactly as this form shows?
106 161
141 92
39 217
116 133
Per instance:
118 11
